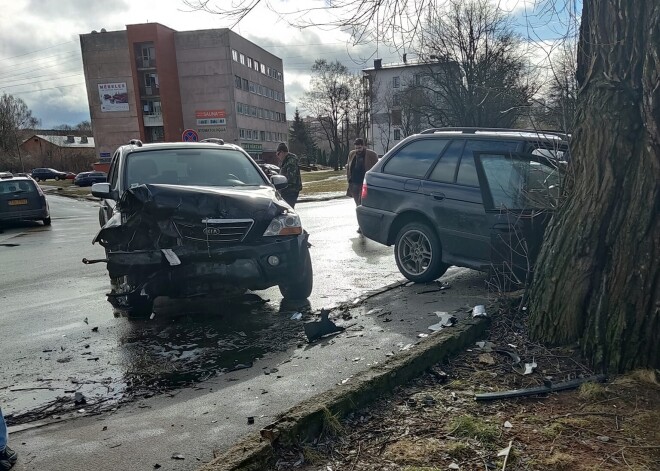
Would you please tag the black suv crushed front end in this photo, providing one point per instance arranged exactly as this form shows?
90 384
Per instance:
182 241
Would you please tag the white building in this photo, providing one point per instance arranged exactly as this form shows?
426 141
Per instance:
397 95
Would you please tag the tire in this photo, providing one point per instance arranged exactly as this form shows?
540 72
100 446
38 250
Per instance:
418 253
302 287
37 179
57 178
46 221
132 306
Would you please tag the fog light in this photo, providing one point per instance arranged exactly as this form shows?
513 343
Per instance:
273 260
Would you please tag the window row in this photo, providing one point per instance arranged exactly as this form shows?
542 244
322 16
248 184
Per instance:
245 84
247 110
265 136
256 65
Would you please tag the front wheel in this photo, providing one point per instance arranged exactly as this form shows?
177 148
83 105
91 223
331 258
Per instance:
301 288
46 221
418 253
57 178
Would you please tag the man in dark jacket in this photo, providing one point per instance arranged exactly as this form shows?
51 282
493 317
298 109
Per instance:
289 168
359 162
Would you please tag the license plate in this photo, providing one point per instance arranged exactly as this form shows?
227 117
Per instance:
17 202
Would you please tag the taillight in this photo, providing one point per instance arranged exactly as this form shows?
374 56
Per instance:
363 195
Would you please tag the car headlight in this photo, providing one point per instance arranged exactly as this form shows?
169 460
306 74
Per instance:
115 221
285 224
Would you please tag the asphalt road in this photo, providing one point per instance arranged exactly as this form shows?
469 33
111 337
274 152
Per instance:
53 302
177 382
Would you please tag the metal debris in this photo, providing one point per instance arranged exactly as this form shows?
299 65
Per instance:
485 346
526 369
321 328
479 311
171 257
178 456
508 424
547 388
296 316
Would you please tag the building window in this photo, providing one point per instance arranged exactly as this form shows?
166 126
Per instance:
237 81
234 55
241 59
396 117
396 99
263 135
253 87
263 69
245 85
395 82
397 134
256 66
249 62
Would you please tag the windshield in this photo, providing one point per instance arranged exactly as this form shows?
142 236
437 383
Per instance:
200 167
16 186
516 183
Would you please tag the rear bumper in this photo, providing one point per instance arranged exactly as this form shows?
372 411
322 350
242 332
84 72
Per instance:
26 215
203 271
375 223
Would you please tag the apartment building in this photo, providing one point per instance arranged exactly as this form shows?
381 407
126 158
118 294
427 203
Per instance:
400 97
156 84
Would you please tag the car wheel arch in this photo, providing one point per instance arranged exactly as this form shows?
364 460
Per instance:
405 218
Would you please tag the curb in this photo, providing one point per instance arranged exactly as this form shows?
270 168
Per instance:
305 421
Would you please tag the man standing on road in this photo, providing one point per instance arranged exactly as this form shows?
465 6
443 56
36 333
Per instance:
7 456
289 168
360 160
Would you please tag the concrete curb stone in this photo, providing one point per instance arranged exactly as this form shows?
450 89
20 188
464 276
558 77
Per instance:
305 421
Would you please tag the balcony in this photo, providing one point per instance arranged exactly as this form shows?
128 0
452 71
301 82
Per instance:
152 119
146 63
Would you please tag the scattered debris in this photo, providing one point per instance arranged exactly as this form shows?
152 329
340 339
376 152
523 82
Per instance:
79 398
240 366
86 321
513 355
527 369
486 358
603 438
296 316
446 320
95 329
508 424
250 420
479 311
454 466
316 330
547 388
505 453
485 346
153 314
178 456
171 257
157 466
421 336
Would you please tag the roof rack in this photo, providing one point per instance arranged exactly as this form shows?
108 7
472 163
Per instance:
214 140
135 142
474 130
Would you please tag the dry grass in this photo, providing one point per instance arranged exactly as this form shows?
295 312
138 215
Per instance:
605 428
308 177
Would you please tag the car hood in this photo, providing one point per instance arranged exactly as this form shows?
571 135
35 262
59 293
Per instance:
154 216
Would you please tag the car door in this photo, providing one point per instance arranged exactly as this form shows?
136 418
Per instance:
398 186
520 193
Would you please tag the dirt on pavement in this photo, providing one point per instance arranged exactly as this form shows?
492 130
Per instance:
436 424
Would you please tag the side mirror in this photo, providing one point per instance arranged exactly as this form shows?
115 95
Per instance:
103 191
279 181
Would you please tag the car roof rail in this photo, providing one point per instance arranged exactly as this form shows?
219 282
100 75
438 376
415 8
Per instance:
214 140
474 130
135 142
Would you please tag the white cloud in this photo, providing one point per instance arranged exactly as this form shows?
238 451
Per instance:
40 50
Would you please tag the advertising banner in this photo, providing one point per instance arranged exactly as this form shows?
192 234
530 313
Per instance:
114 96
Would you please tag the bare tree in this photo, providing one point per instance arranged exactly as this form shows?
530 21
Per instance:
561 102
15 117
328 101
484 80
598 275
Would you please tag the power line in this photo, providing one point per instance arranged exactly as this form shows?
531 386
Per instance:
40 81
51 88
38 50
15 76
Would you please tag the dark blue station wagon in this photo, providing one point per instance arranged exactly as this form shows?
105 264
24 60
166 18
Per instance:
476 198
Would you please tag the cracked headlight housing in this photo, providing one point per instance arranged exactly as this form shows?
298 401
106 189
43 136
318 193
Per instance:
284 224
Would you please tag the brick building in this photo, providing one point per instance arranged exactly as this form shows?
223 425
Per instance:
160 85
69 153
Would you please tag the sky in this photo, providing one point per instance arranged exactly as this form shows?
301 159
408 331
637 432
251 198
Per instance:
40 60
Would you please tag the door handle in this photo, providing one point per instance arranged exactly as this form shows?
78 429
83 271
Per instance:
438 195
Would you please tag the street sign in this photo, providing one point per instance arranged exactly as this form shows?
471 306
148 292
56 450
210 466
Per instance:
190 135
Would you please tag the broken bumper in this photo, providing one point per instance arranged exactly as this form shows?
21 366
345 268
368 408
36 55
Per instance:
193 271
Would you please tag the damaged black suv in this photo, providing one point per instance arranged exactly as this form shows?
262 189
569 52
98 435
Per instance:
187 219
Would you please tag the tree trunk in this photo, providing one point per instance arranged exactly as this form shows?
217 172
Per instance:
598 274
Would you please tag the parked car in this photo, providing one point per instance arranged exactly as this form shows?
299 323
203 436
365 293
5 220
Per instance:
184 219
21 199
40 174
476 198
6 175
70 175
89 178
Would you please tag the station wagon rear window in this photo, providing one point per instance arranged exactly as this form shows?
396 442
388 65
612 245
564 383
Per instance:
16 187
415 159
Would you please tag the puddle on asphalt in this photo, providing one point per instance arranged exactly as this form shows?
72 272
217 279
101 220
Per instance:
187 342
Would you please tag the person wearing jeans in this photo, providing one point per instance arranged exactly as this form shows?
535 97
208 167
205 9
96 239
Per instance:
7 455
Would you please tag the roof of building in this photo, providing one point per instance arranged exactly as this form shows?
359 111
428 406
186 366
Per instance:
409 64
63 141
